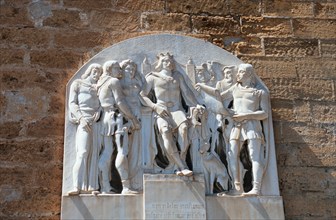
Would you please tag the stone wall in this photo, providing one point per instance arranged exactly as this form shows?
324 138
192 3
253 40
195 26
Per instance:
291 43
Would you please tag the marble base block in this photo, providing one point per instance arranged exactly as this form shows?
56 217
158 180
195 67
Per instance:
102 207
167 196
229 207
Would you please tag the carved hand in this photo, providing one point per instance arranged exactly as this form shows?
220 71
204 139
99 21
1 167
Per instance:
161 111
239 117
85 124
136 124
198 87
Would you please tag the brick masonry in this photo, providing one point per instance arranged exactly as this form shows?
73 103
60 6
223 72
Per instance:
292 45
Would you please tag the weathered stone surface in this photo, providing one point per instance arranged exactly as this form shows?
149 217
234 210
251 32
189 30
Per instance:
215 25
314 28
16 16
245 7
114 21
316 68
328 48
31 68
291 8
170 22
10 130
55 58
87 5
10 56
31 151
303 89
325 10
262 26
306 133
80 39
220 7
324 112
291 47
305 155
25 37
46 127
243 46
65 19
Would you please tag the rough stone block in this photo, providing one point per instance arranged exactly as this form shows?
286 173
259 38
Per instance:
325 10
46 127
11 56
282 109
245 7
24 104
10 130
28 37
316 68
291 47
55 58
114 21
243 46
273 67
298 180
310 89
314 28
139 5
87 5
306 155
35 152
288 8
262 26
64 19
328 48
323 112
304 133
311 206
168 22
16 16
81 39
220 7
215 25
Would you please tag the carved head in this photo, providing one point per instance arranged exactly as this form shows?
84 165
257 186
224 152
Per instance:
93 72
166 61
112 68
246 74
228 72
128 67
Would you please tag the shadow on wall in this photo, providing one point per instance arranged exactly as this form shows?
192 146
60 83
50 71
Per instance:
306 165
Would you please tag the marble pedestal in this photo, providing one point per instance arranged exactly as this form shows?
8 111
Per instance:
167 196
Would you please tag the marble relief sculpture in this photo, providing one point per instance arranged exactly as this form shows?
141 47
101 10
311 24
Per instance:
84 109
112 100
200 117
169 87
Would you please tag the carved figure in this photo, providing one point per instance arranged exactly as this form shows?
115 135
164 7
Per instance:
132 83
225 120
250 106
213 169
112 100
168 86
84 110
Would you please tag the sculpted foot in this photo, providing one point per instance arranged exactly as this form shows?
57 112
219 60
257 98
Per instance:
253 192
187 172
129 191
74 192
